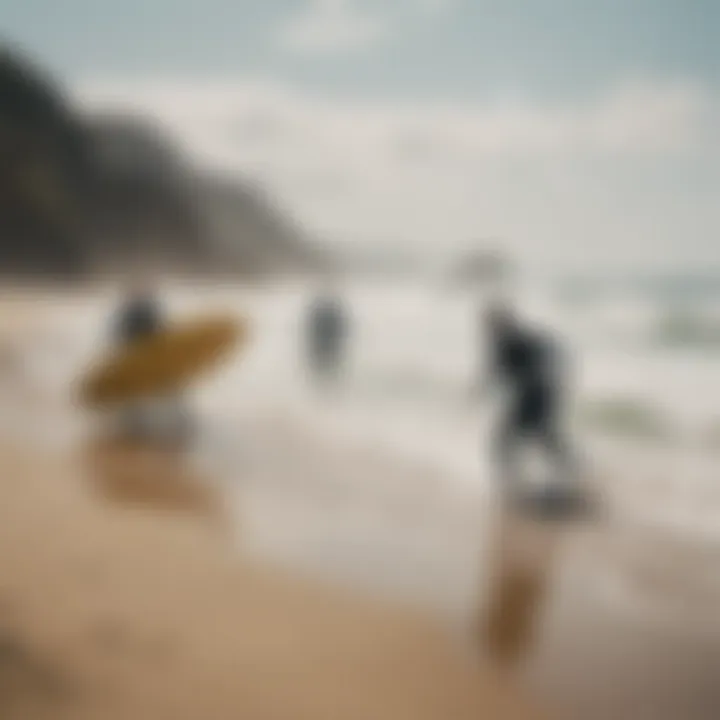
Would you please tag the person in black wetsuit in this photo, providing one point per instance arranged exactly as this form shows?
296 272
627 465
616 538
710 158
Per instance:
326 335
528 364
140 317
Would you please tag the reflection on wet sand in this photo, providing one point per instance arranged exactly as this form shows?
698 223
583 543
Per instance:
101 594
155 477
523 555
163 627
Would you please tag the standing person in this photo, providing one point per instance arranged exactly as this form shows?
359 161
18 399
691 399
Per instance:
528 365
140 317
326 335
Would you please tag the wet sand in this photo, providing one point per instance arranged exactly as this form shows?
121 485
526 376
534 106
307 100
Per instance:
111 607
300 578
579 617
132 589
609 618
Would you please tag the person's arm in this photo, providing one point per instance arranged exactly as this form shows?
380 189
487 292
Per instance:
119 325
487 377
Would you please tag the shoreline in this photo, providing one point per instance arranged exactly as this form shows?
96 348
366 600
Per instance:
114 613
330 556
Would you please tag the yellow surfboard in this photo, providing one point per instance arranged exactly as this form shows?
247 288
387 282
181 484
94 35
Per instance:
162 364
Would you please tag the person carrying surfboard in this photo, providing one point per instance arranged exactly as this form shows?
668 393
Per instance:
139 318
140 314
528 364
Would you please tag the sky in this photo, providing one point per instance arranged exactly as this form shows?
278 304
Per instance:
578 133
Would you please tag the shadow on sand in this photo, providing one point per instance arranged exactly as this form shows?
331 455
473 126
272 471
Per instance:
143 475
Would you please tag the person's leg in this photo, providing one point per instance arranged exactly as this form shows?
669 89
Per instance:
565 464
506 446
566 494
325 368
182 417
539 414
134 422
334 363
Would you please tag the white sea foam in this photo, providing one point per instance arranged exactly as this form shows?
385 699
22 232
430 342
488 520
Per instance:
414 351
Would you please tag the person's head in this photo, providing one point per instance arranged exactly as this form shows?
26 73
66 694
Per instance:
500 318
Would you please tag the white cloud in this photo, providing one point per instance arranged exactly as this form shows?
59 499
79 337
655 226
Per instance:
436 7
330 26
653 117
633 118
606 177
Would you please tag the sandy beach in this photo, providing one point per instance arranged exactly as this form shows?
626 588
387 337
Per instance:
113 612
359 360
279 573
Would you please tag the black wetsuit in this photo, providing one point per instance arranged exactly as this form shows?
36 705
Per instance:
141 317
529 365
326 337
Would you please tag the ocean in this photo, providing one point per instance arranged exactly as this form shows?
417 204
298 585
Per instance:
644 416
